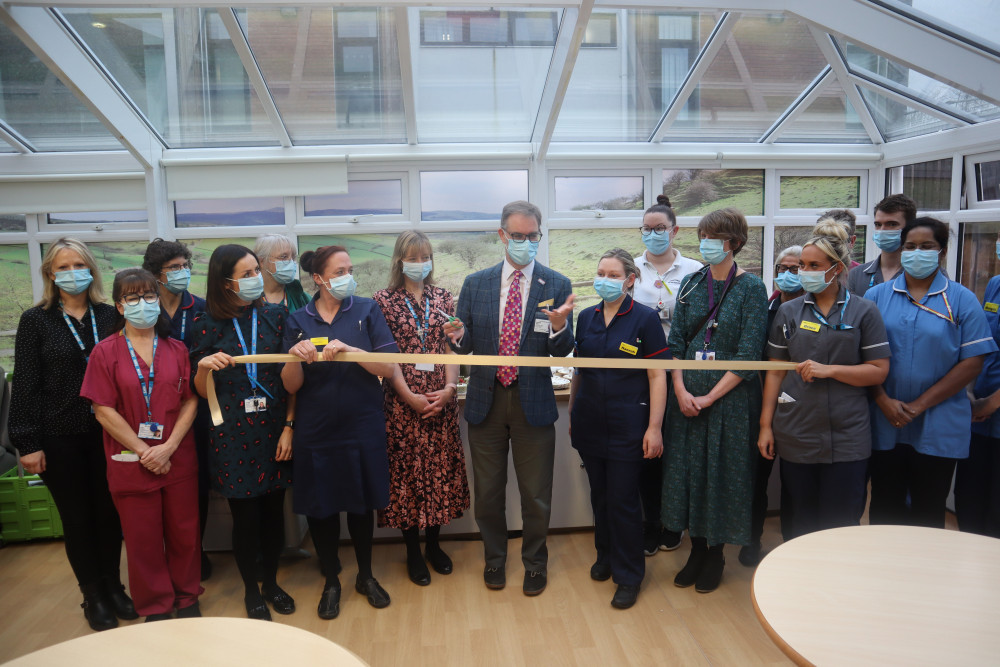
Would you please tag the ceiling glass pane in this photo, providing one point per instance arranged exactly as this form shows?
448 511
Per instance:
830 119
478 73
897 120
6 148
35 103
919 85
979 18
763 67
629 68
333 73
180 67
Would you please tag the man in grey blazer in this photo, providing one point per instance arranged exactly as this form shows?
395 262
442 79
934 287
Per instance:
513 409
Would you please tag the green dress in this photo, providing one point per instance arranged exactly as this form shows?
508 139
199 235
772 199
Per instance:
709 460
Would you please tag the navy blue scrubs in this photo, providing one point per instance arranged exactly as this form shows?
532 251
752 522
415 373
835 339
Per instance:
180 323
609 418
340 451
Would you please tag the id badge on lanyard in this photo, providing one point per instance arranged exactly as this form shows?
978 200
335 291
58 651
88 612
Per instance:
149 429
253 403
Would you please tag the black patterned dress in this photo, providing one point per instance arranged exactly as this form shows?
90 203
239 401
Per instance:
428 481
241 456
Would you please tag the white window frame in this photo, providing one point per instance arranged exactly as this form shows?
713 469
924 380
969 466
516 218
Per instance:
972 201
309 222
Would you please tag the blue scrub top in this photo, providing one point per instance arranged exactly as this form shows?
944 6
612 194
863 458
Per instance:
181 322
989 379
611 406
924 348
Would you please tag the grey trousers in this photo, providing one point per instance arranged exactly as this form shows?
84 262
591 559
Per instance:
533 450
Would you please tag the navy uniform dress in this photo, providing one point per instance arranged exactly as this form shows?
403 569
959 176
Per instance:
340 458
609 418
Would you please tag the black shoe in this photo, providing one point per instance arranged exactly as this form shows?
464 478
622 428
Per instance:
158 617
417 569
625 596
534 583
669 540
711 574
377 597
689 573
439 560
601 570
495 578
120 602
257 608
97 609
206 567
750 555
651 540
280 601
329 602
192 611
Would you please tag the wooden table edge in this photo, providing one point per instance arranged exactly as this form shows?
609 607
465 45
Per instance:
784 646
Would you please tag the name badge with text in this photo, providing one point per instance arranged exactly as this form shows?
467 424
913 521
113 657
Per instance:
628 349
809 326
990 307
542 326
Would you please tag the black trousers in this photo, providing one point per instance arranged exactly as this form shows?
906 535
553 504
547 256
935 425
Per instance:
977 487
614 496
904 472
824 495
76 475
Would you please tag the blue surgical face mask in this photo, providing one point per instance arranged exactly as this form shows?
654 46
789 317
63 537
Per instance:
814 281
998 249
285 271
342 287
523 252
920 263
142 315
608 288
75 281
178 281
788 282
250 288
712 251
417 271
657 242
887 240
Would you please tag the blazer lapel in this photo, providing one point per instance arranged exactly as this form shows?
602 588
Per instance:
493 289
539 277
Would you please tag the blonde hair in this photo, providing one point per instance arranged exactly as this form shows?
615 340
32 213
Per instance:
50 293
404 243
831 237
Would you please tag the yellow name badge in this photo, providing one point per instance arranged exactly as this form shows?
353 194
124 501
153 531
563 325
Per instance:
628 349
546 304
809 326
990 307
322 340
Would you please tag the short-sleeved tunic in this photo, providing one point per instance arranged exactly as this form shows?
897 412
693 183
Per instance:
241 456
428 482
340 457
989 379
708 467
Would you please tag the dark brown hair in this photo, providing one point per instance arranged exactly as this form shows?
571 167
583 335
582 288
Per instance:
940 230
137 281
314 261
159 252
896 203
662 205
222 302
727 222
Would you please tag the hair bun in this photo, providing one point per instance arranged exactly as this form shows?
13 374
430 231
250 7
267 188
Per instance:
306 261
830 227
663 200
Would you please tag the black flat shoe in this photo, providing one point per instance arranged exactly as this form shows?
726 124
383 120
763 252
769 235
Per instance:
158 617
192 611
625 596
495 578
439 561
329 602
120 602
711 574
280 601
97 609
417 570
257 609
600 571
750 555
377 597
534 583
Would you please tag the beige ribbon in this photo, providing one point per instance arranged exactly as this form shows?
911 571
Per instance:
497 360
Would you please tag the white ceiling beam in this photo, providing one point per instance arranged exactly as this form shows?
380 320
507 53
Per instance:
918 46
404 47
908 101
14 138
881 82
795 109
53 44
836 61
242 46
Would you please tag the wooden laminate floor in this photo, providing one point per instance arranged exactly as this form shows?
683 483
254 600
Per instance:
455 620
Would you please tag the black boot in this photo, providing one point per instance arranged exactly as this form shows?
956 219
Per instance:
96 608
689 574
415 566
120 601
711 573
438 559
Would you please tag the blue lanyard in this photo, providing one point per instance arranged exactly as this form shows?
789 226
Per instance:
251 368
184 316
841 326
421 326
76 334
147 387
871 282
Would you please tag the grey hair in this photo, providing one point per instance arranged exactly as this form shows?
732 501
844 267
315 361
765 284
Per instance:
795 250
267 245
625 258
520 207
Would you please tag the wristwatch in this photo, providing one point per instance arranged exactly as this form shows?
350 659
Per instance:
290 423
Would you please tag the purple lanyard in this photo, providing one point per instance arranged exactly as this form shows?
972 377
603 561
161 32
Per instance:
713 307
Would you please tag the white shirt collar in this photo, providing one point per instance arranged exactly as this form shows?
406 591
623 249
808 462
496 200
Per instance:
508 270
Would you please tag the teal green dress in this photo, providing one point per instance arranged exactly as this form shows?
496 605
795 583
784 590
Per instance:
709 459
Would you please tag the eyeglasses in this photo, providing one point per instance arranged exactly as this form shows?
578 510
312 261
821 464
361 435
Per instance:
781 268
534 237
178 267
134 299
659 228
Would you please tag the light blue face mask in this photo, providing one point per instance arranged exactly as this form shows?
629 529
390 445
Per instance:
998 249
887 240
75 281
417 271
178 281
788 282
250 288
814 281
285 271
920 263
608 289
142 315
656 242
521 252
342 287
712 251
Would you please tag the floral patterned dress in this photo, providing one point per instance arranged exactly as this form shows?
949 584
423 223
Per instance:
428 481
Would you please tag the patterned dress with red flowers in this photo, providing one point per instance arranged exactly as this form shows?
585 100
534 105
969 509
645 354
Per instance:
428 481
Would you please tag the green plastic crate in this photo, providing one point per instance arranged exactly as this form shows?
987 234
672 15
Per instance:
27 510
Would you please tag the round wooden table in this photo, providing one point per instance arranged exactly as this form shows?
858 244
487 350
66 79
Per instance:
882 595
194 641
